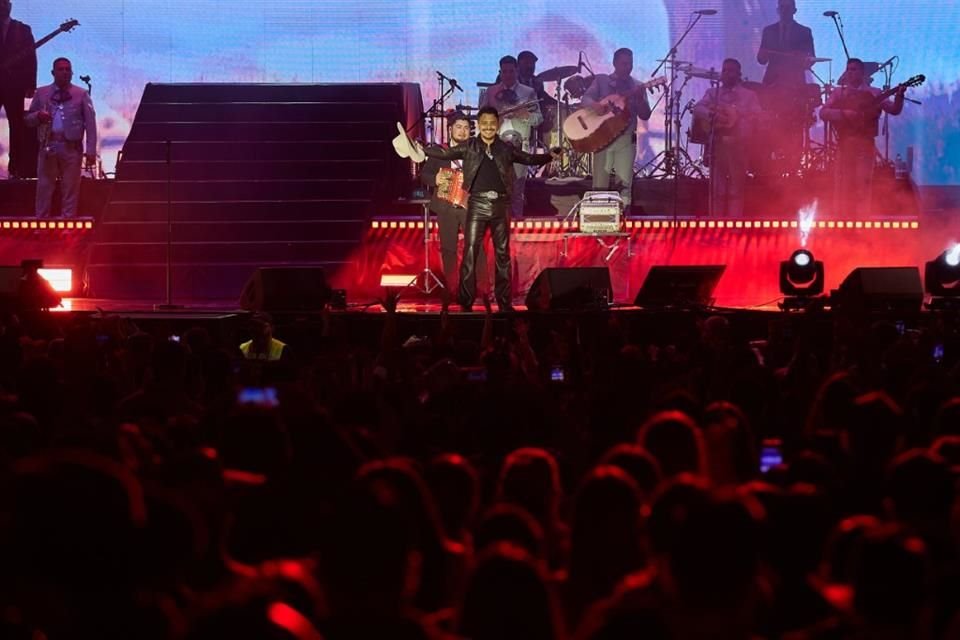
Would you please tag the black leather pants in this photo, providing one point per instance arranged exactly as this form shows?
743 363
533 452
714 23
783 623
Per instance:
483 212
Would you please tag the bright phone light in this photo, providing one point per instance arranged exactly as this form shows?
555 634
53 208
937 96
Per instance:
60 279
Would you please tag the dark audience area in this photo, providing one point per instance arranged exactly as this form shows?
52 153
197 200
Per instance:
548 477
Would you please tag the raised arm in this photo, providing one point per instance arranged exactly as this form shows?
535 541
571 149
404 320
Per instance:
445 153
894 107
522 157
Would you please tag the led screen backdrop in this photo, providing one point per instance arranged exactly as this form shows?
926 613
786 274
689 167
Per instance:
123 44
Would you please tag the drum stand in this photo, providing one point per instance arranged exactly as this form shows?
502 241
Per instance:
427 281
673 161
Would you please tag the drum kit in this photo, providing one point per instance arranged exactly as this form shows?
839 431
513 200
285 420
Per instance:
781 143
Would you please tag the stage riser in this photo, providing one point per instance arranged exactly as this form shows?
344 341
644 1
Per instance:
300 165
752 257
233 231
309 93
262 131
256 252
227 191
189 282
324 210
189 151
267 111
245 170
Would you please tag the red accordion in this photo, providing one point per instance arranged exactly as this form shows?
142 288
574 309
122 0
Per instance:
451 188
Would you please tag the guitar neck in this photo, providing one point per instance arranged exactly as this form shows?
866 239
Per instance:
47 38
23 53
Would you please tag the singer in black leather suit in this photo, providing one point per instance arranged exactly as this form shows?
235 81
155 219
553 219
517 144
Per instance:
488 176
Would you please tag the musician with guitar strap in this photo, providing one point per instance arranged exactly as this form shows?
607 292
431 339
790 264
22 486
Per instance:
619 155
728 112
17 81
855 112
451 211
520 113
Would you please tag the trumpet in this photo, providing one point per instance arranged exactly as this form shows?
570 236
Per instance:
520 107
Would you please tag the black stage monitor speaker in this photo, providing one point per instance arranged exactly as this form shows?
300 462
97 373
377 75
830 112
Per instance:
571 289
680 286
20 291
880 289
286 289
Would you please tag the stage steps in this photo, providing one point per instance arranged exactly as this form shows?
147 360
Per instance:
250 175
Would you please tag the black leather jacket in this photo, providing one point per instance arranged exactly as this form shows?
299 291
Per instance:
472 152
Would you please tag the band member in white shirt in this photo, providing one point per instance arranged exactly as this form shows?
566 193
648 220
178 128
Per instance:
618 156
854 113
516 125
730 111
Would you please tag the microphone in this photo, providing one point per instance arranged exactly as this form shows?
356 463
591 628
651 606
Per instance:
831 14
580 62
885 64
706 12
85 79
453 83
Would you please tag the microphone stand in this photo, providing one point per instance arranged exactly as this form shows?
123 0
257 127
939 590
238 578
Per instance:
843 41
438 103
670 162
712 181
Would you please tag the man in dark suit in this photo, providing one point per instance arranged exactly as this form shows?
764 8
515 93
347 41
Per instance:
786 48
18 80
787 51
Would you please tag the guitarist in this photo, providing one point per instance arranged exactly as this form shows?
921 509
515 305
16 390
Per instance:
16 83
451 219
619 155
855 112
731 109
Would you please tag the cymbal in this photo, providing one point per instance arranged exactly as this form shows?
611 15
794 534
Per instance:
557 73
705 74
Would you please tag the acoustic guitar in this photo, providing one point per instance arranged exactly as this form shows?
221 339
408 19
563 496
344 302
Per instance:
868 106
589 132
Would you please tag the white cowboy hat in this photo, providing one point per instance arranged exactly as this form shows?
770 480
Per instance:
405 148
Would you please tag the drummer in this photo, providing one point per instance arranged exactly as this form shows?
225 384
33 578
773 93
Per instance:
516 127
